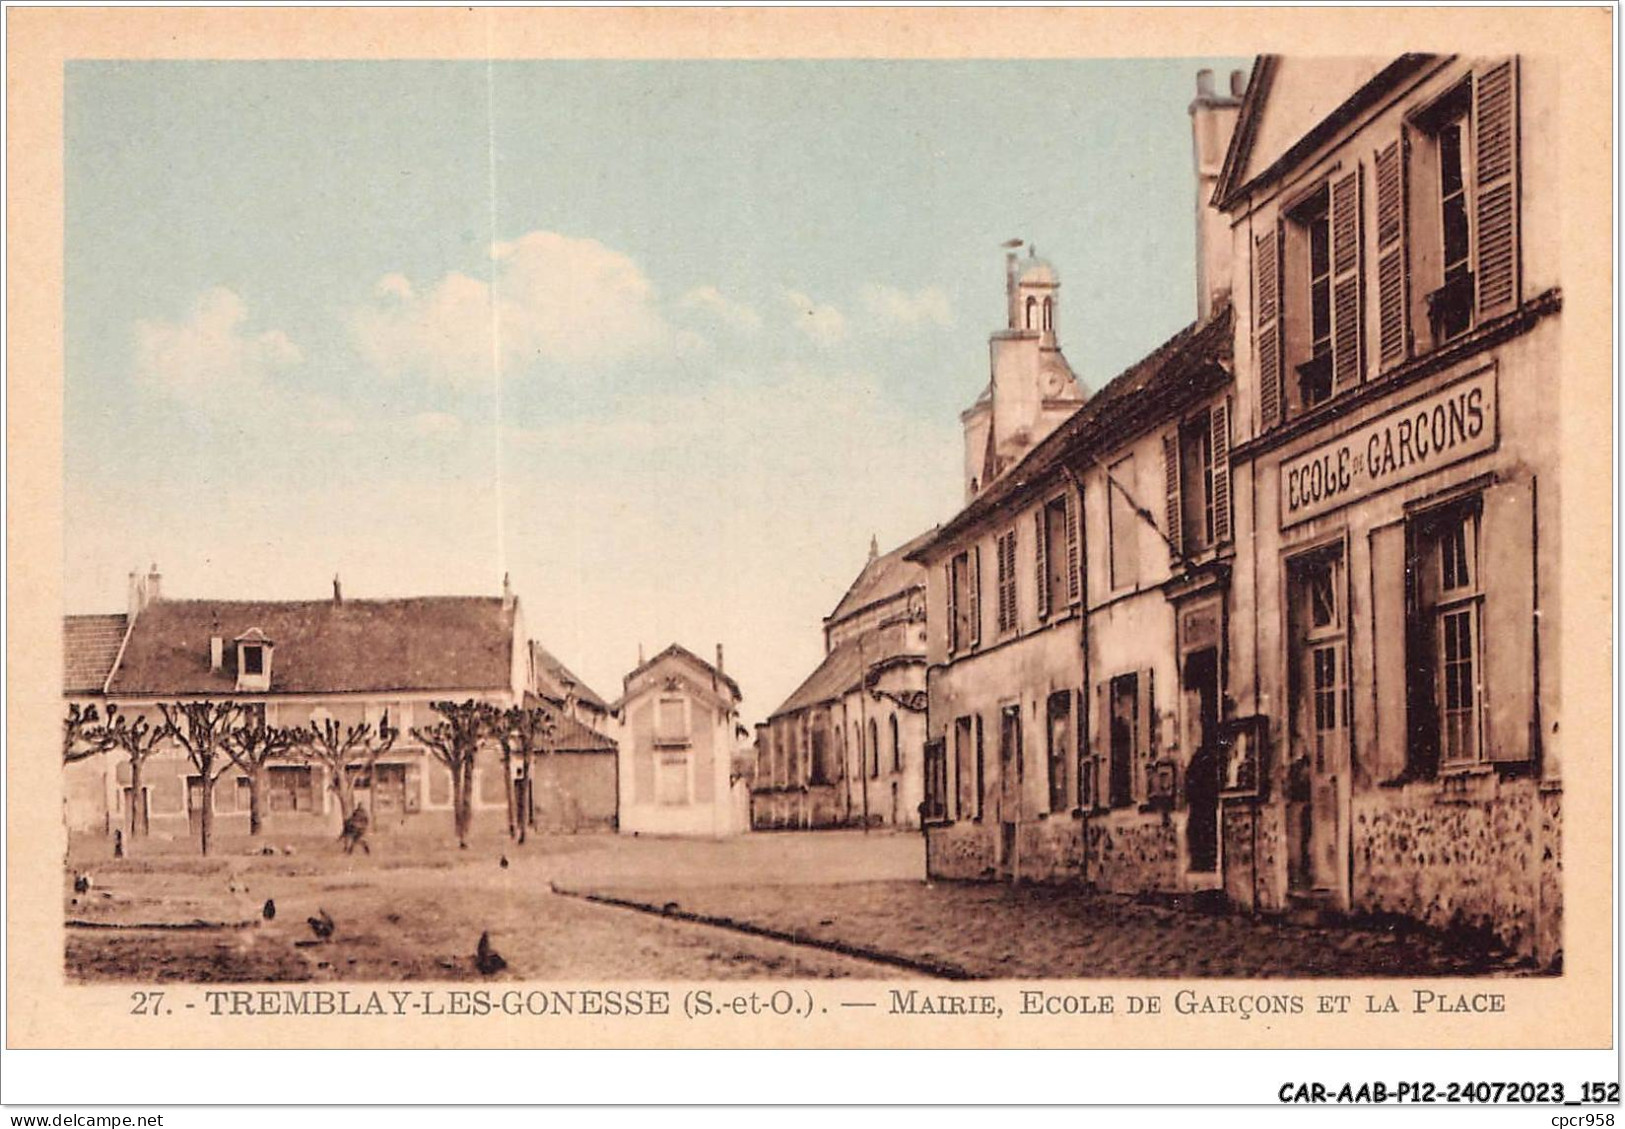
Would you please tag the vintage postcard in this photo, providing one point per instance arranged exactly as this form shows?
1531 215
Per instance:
767 528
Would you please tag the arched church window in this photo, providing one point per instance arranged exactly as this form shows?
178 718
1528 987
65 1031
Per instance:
1049 316
1032 313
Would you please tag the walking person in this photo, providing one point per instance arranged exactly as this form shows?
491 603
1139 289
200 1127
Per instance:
355 831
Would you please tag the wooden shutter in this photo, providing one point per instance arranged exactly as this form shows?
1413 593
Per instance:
1006 549
1101 725
953 606
1170 478
1267 272
1041 556
1507 626
1388 630
1074 586
1393 307
1219 421
1347 365
1145 725
975 601
1495 221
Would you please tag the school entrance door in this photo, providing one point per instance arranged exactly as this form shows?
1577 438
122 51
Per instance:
1318 765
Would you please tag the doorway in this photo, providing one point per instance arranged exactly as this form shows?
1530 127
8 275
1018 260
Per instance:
1318 768
1200 682
1010 774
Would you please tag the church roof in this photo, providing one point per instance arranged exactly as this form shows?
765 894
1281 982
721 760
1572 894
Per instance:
886 575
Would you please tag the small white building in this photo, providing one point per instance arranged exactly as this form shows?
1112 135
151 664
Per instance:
677 718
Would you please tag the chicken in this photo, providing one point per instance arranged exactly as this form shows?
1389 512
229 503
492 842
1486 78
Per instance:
487 959
322 925
269 911
81 883
504 863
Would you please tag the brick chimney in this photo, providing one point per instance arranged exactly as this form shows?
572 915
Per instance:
155 586
1213 120
507 594
217 653
719 658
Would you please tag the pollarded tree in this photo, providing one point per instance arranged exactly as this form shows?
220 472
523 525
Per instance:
522 732
83 735
338 748
203 729
137 738
252 746
455 742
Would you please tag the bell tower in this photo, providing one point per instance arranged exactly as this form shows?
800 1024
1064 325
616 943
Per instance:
1032 387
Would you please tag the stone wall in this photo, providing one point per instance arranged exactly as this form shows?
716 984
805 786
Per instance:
1465 853
1051 850
1134 852
811 808
961 850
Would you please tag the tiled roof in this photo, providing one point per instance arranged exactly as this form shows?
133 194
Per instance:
554 675
833 678
1191 364
574 736
322 646
677 650
886 575
90 645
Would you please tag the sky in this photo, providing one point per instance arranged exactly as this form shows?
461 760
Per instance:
667 342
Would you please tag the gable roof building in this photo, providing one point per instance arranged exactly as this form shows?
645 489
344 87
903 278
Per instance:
819 761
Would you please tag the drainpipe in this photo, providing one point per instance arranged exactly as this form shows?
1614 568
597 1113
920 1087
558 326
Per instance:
1087 696
863 731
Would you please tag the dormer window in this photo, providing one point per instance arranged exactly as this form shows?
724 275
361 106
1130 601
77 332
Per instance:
253 660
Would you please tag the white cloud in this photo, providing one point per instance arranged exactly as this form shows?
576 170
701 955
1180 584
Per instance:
553 299
925 306
708 299
212 349
824 324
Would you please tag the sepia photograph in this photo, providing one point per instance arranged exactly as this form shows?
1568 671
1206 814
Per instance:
1024 536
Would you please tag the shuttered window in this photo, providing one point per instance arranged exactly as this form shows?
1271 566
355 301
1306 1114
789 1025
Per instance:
1174 512
1219 424
1041 559
1074 560
973 595
1007 581
1457 226
1347 305
1393 323
1057 551
1267 280
1495 113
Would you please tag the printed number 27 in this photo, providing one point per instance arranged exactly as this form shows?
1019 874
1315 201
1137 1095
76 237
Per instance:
146 1003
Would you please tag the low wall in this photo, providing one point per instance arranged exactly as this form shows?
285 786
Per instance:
1477 853
964 850
813 808
1133 852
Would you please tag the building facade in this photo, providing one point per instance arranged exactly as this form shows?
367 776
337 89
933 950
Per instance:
291 663
1295 654
678 727
1398 353
846 749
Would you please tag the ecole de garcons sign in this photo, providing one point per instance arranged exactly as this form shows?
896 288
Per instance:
1438 429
